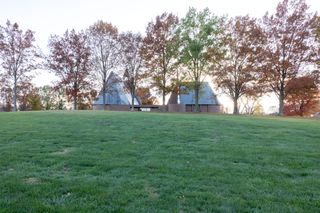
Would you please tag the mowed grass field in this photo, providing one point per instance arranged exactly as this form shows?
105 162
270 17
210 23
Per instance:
157 162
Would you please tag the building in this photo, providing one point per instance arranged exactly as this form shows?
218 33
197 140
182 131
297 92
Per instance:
118 98
185 101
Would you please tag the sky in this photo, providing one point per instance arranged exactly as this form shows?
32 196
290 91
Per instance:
54 17
47 17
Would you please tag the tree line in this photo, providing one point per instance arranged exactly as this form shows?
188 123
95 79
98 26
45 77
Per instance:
244 56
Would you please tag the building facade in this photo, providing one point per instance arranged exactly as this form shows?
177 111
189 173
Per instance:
184 100
117 97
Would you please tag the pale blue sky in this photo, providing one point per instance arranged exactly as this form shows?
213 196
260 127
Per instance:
47 17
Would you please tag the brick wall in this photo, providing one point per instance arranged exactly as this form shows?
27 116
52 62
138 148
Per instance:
160 108
205 108
177 108
112 107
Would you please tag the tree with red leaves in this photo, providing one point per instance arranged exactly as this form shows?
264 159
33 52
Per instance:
302 96
160 48
317 31
29 98
18 57
289 46
237 73
69 60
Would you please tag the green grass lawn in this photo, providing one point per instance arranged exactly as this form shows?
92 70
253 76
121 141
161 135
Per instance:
157 162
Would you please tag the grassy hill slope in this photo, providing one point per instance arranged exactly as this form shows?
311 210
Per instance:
152 162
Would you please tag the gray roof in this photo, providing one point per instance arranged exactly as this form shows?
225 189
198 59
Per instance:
206 95
116 92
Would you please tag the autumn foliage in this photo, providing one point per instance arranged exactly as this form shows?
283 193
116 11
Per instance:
288 49
18 56
159 51
237 72
303 96
245 58
69 60
145 96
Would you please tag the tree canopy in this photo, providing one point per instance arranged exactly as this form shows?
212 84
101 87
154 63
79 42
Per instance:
69 60
244 57
159 50
237 72
288 49
18 57
198 32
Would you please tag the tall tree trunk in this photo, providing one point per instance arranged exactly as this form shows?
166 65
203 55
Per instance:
197 85
163 97
164 72
235 106
164 86
301 109
196 92
281 104
75 102
15 92
104 90
75 96
132 99
281 99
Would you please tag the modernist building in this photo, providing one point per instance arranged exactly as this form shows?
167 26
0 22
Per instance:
117 96
185 100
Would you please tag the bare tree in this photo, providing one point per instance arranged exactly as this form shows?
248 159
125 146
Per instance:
105 52
18 57
131 62
250 105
